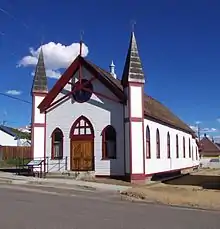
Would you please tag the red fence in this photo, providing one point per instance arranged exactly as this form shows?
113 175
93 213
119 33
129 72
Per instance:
11 152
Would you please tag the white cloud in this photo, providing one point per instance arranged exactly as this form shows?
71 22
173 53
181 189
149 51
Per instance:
209 130
198 122
13 92
56 56
204 130
195 128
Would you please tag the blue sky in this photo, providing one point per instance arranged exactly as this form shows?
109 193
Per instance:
178 43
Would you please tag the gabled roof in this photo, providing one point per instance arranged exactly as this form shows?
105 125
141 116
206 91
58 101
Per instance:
152 108
68 74
14 132
208 147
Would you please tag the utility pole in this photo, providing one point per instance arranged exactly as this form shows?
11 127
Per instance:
198 131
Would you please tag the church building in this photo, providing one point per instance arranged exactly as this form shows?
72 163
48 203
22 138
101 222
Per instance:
92 121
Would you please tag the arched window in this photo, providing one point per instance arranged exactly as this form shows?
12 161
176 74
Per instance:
57 144
168 145
109 143
192 153
148 152
189 148
158 144
184 147
177 146
82 129
196 153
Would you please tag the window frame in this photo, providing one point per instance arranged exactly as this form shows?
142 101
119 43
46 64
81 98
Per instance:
105 155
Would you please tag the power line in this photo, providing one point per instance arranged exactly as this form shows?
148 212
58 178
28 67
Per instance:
13 97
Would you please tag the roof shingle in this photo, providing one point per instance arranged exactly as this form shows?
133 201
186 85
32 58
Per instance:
152 108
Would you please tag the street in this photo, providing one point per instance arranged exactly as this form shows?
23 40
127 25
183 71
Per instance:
27 207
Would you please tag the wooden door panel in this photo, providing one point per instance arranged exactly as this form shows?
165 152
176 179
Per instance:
82 155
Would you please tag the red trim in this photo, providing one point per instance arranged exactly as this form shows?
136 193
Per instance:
68 74
104 96
52 143
45 132
39 124
184 148
33 125
103 134
148 143
41 94
109 84
189 148
130 134
133 119
177 146
59 85
158 143
144 166
168 145
81 136
142 177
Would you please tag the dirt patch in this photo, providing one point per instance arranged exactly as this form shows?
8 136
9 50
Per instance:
180 196
187 191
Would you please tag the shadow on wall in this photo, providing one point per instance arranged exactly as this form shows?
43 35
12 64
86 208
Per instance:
204 181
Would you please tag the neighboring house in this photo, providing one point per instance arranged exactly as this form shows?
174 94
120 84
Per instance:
209 152
106 125
12 137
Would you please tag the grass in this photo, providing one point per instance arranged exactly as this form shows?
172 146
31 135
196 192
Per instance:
13 162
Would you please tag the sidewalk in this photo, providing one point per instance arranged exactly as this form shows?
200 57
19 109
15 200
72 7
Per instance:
10 178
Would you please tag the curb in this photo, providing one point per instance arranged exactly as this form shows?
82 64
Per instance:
29 182
56 184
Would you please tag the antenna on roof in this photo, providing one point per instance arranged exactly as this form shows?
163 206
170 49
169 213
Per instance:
81 39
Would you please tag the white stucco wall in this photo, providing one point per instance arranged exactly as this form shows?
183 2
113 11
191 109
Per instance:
39 117
154 165
38 142
101 112
38 134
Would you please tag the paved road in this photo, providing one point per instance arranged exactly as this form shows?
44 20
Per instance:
30 207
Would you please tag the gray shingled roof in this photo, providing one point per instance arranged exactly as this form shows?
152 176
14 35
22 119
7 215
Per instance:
40 79
133 69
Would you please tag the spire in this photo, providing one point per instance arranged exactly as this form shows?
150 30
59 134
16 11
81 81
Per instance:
40 79
133 71
112 69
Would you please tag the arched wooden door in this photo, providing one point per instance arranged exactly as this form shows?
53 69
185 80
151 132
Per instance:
82 145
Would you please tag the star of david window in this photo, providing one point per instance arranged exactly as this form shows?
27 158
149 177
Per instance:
84 93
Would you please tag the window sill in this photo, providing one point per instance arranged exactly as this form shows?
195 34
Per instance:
108 159
56 159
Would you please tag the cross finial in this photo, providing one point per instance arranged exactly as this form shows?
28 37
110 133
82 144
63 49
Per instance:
133 23
81 38
81 35
42 41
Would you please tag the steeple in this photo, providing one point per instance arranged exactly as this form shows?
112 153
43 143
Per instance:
40 79
112 69
133 71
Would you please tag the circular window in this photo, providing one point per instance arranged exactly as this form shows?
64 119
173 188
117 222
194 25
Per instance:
81 95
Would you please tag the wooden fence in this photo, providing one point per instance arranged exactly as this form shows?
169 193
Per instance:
11 152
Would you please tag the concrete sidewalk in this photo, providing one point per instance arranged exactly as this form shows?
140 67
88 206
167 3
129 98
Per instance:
15 179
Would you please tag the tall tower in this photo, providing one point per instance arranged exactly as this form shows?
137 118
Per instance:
38 92
133 81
